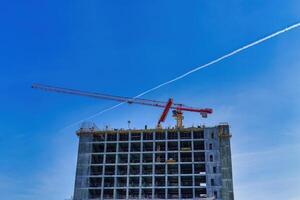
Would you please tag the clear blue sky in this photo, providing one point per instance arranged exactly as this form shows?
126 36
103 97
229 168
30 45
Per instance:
125 47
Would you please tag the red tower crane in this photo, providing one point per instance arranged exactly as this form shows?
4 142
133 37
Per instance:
177 112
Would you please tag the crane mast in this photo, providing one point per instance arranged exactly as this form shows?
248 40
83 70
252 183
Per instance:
177 108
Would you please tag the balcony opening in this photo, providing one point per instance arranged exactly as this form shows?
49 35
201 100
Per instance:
172 135
186 181
186 146
160 194
121 194
146 194
172 146
185 135
94 193
160 136
109 182
111 147
110 158
108 194
199 145
160 158
134 158
95 182
200 181
134 169
98 148
148 136
173 194
186 169
134 194
98 138
123 158
121 182
97 159
147 146
122 169
147 169
160 181
173 181
123 137
198 134
146 181
135 147
111 137
173 169
200 193
199 156
123 147
147 158
96 170
160 146
160 169
134 182
187 193
109 170
186 157
172 158
135 136
199 168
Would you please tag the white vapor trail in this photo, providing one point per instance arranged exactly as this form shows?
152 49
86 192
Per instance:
197 69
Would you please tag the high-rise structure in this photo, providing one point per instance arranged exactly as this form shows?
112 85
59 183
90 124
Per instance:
187 163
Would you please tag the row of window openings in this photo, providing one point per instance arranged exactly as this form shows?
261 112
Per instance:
148 158
148 169
148 146
147 181
171 193
150 136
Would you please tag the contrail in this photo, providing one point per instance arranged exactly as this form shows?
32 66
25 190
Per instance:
197 69
95 115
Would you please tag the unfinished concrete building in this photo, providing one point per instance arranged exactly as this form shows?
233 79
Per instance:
187 163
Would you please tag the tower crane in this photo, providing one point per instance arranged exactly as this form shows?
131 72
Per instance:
178 109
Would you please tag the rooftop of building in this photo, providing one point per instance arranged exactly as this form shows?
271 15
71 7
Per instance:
93 129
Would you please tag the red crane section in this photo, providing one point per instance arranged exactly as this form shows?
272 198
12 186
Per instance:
166 105
165 112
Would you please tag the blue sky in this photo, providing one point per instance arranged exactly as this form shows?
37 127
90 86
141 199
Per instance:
126 47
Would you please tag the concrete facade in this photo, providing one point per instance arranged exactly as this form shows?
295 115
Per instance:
189 163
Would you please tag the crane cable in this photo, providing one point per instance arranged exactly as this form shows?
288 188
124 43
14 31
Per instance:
296 25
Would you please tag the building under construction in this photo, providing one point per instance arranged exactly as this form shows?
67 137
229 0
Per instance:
186 163
177 163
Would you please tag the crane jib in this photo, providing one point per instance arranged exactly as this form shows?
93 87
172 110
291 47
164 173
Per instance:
166 105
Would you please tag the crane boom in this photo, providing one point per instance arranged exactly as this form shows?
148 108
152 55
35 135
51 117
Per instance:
166 105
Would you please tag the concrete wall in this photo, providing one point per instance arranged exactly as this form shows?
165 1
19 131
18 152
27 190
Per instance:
226 164
211 138
82 170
